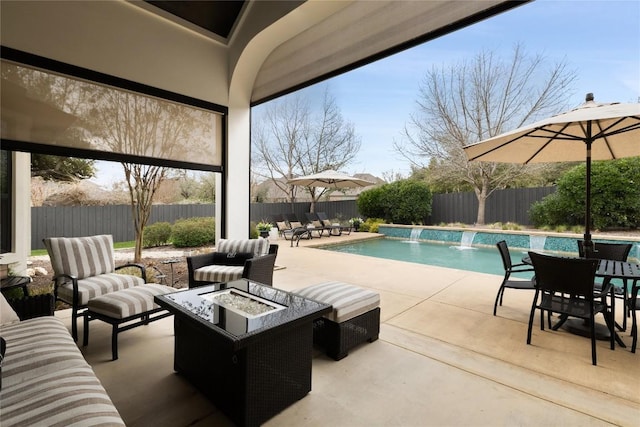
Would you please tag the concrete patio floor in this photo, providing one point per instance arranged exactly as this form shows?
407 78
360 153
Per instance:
442 358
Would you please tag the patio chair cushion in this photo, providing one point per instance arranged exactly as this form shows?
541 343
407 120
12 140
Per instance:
348 300
218 273
258 247
95 286
81 256
129 302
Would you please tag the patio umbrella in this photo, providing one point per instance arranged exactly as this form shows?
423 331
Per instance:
329 179
593 131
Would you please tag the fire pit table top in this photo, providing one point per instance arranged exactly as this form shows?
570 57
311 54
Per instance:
242 310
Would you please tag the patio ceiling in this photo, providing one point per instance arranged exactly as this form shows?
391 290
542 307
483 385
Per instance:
215 19
353 34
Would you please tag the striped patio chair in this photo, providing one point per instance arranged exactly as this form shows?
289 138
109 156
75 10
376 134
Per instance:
84 268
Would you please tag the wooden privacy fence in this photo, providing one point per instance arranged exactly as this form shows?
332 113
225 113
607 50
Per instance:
75 221
510 205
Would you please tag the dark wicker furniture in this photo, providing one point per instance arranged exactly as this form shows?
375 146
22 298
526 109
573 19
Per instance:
250 367
28 306
32 306
258 268
338 338
353 320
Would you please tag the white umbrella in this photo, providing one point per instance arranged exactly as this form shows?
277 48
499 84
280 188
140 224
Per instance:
605 131
329 179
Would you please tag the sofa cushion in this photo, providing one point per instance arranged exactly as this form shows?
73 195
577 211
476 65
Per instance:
348 300
258 247
95 286
46 381
129 302
81 256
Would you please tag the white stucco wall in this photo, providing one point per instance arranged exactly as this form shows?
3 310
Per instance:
119 39
21 220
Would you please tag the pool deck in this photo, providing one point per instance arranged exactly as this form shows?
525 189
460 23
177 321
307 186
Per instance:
442 358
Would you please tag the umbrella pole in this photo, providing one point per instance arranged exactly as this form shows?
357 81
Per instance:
588 244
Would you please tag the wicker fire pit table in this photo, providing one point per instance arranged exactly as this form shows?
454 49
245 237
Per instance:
246 346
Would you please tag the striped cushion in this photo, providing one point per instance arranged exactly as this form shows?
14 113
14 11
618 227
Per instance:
46 381
257 246
129 302
81 256
218 273
348 301
92 287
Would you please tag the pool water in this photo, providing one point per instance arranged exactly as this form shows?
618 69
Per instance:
482 260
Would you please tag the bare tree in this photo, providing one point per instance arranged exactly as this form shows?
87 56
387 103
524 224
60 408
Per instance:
291 140
475 100
148 127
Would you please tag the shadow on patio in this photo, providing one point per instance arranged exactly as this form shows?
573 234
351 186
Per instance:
442 358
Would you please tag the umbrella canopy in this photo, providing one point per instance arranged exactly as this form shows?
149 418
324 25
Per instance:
329 179
592 131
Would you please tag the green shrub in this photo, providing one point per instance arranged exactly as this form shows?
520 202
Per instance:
371 225
370 202
614 197
401 202
253 231
193 232
156 234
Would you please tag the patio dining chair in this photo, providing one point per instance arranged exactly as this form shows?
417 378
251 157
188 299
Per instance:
510 268
614 252
565 286
634 306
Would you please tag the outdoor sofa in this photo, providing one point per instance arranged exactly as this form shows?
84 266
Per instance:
45 380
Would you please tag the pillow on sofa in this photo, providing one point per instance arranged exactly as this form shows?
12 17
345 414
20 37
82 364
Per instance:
231 258
7 313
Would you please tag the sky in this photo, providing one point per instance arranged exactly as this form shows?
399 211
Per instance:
600 40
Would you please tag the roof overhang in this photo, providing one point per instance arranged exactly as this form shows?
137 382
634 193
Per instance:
355 33
360 33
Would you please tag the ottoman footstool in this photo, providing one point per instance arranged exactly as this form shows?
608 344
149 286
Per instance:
124 306
354 319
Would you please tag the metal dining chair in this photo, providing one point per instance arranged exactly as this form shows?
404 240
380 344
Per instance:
633 304
510 268
565 286
614 252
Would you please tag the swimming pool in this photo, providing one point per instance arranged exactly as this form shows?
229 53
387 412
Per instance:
482 260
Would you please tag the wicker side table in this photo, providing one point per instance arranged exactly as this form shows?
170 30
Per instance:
32 306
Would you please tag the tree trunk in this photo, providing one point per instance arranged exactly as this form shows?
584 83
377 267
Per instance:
482 203
137 257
